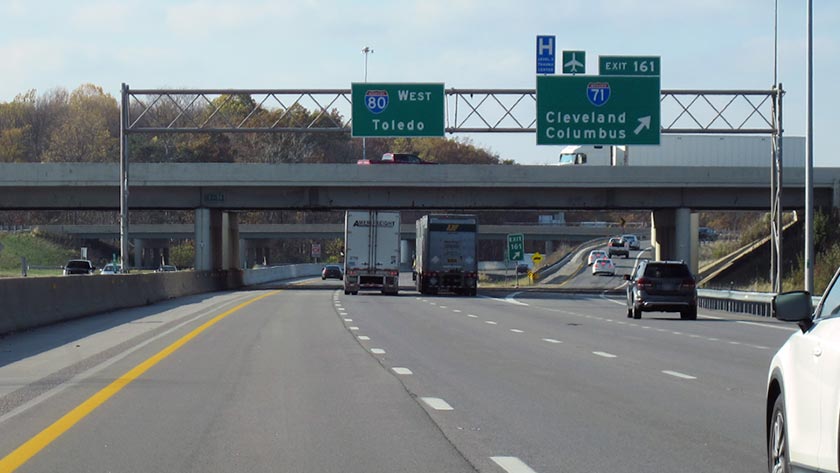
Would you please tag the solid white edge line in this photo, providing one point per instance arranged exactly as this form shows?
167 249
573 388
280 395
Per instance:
604 354
512 465
402 371
437 403
677 374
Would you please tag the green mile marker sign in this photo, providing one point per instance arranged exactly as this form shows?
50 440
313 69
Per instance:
394 110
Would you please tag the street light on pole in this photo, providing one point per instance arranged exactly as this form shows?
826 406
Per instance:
366 50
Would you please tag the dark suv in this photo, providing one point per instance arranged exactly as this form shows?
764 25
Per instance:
78 266
661 286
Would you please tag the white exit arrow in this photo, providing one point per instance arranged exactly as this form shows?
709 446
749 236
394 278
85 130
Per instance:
644 122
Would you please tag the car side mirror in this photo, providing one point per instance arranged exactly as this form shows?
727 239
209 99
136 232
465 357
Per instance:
626 277
794 306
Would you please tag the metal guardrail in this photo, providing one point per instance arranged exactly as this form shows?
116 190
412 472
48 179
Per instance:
755 303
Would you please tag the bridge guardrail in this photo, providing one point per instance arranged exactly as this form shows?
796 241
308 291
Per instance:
745 302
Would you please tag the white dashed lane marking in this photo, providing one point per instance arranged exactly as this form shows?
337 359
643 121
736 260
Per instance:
364 337
472 316
348 320
551 340
377 351
490 322
353 328
437 403
677 374
512 465
516 330
603 354
402 371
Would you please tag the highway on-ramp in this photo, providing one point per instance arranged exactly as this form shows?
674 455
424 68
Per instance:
307 379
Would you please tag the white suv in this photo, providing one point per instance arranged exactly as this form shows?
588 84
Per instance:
803 387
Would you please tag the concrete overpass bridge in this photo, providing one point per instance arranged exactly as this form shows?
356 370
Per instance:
217 191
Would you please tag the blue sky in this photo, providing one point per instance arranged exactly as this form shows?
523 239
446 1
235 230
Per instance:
713 44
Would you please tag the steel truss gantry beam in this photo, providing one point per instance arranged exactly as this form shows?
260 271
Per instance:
467 111
162 111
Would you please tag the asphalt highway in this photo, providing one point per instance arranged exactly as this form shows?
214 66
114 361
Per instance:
307 379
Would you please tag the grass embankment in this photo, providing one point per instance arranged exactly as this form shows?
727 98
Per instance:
37 250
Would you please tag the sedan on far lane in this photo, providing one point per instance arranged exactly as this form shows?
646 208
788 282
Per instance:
331 271
603 266
595 255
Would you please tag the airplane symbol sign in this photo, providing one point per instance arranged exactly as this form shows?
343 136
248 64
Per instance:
574 62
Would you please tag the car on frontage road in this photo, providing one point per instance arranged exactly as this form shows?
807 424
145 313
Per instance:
802 409
78 266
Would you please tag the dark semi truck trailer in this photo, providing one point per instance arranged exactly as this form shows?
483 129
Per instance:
447 254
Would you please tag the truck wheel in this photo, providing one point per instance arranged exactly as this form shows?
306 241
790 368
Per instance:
346 293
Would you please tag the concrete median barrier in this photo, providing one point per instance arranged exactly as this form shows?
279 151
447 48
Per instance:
34 302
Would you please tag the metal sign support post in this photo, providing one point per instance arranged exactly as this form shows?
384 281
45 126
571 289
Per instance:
124 101
809 155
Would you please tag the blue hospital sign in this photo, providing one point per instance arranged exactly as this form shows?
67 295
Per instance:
545 54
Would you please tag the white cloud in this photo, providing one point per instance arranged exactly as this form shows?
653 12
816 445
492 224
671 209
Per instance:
111 17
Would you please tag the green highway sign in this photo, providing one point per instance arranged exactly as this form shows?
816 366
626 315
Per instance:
392 110
574 62
598 110
516 247
629 66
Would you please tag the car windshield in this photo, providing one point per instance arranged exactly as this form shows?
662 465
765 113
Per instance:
655 270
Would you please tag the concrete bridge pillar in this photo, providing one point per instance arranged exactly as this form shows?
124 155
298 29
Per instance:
244 257
230 240
674 235
216 240
138 253
549 247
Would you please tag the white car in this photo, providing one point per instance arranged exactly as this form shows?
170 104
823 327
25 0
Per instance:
631 240
803 387
111 269
603 266
594 255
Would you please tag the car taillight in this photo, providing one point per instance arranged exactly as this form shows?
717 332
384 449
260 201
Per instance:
643 283
393 273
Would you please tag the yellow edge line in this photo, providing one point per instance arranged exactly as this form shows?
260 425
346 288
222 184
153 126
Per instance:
31 447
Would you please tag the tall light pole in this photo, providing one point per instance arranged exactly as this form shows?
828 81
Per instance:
366 50
809 155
